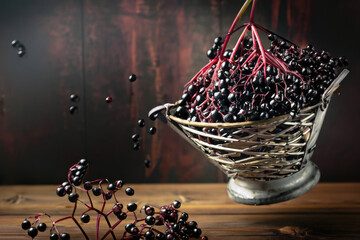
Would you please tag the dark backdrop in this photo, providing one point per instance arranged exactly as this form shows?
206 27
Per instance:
90 47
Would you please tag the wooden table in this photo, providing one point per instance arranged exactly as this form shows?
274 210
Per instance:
329 211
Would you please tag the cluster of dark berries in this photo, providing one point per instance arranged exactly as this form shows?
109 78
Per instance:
19 47
136 139
250 83
175 222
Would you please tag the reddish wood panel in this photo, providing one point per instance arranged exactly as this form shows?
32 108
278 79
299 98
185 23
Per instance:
37 133
91 47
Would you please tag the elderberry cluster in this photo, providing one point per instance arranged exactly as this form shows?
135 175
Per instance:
250 83
175 222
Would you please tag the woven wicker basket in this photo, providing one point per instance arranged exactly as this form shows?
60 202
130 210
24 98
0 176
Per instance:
267 161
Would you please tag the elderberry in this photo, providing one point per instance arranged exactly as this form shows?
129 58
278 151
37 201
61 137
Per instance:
152 130
54 236
96 191
129 191
41 227
141 122
108 99
65 236
149 235
85 218
131 206
73 197
147 163
177 204
132 78
25 224
32 232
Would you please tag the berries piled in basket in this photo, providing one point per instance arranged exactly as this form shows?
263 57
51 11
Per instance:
250 82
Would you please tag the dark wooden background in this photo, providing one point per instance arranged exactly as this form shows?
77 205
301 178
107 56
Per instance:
90 47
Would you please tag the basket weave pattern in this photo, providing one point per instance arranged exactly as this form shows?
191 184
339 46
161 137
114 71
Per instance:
260 150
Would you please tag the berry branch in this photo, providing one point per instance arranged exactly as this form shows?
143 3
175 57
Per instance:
176 222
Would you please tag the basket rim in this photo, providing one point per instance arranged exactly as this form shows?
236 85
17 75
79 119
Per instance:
236 124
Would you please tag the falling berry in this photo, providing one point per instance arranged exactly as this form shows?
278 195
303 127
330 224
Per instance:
132 78
129 191
15 43
136 146
21 53
74 98
147 163
135 137
141 122
73 109
152 130
108 99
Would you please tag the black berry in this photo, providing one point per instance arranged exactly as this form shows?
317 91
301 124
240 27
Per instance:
25 224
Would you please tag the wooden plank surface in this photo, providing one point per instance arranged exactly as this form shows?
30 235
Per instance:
329 211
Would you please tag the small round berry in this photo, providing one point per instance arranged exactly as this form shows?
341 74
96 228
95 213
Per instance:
135 137
87 186
149 235
65 236
111 187
74 98
136 146
160 236
147 163
15 43
96 191
83 162
60 191
149 211
150 220
108 195
197 232
77 181
204 238
73 197
32 232
85 218
108 99
192 224
152 130
21 53
141 122
25 224
119 183
217 41
73 109
177 204
132 78
41 227
68 189
129 191
132 206
54 236
129 226
184 216
134 231
122 216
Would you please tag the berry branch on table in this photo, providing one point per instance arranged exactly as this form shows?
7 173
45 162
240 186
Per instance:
169 216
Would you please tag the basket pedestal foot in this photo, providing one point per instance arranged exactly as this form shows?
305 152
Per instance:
251 192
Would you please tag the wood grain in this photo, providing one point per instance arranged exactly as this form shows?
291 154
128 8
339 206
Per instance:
329 211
